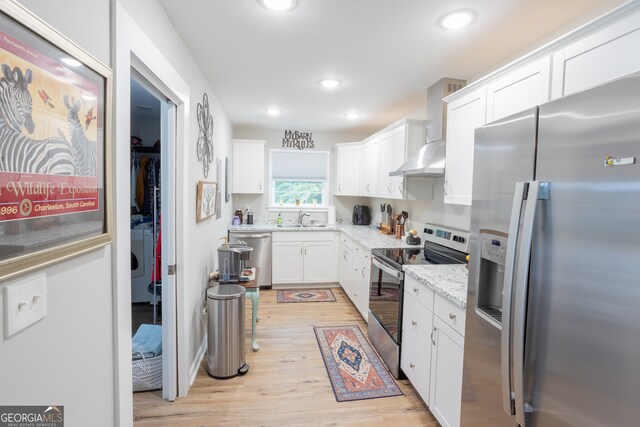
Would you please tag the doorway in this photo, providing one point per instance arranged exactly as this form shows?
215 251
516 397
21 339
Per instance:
152 178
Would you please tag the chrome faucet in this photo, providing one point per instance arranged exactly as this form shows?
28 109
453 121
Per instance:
301 216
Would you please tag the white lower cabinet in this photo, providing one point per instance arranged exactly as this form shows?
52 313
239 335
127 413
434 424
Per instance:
303 257
447 358
433 350
354 267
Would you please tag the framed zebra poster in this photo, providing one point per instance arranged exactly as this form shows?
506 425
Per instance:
55 112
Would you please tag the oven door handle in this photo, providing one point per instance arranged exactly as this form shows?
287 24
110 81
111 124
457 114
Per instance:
387 268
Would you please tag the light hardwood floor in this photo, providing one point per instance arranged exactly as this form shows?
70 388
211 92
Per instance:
287 384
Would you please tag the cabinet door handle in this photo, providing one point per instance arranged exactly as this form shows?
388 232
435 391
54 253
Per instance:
367 188
300 250
400 188
305 250
339 187
362 272
446 193
414 323
432 332
415 289
261 185
389 188
412 365
344 255
452 316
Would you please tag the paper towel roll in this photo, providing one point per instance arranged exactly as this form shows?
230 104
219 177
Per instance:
331 215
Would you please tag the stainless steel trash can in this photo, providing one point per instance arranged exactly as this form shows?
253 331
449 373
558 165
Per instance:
225 305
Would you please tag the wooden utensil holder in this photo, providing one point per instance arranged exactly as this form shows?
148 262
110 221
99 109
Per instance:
399 231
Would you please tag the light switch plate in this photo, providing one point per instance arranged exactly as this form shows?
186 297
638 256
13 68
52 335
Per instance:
25 302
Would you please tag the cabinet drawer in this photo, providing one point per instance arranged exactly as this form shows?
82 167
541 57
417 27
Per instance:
347 241
417 323
450 314
419 291
416 367
303 236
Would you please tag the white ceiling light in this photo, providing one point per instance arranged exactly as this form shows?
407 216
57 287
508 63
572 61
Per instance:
273 111
352 115
329 83
279 5
458 19
71 62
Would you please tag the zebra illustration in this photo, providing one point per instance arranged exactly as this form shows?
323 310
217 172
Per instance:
84 150
21 153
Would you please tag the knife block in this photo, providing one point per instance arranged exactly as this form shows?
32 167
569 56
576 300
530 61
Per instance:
386 229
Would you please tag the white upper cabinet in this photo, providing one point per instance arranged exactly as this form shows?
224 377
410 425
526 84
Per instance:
604 55
464 115
370 167
386 164
348 169
247 166
519 90
399 157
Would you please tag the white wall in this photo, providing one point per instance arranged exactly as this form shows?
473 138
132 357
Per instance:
198 241
67 358
323 141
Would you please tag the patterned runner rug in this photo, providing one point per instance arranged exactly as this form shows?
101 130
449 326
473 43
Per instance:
306 295
354 369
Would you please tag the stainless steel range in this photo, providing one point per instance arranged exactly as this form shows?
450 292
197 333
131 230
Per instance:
386 285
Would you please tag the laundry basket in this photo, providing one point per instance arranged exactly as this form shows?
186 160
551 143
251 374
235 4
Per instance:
147 373
146 346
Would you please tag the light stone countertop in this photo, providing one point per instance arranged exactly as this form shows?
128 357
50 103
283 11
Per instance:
448 280
364 235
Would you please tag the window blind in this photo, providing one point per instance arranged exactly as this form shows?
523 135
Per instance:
296 165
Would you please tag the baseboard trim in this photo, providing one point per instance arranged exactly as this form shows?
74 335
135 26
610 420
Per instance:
305 285
193 371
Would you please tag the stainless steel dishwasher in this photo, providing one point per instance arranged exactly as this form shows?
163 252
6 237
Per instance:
260 241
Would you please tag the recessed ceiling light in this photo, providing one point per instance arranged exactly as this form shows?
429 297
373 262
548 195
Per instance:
71 62
273 111
458 19
329 83
279 5
352 115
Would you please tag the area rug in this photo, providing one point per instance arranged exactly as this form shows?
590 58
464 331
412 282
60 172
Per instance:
306 295
355 370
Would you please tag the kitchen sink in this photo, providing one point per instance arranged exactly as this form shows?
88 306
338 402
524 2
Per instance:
289 226
314 225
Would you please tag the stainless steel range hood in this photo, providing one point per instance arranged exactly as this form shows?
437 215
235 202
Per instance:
429 161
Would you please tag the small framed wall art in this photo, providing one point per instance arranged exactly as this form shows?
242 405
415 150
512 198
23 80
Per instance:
55 157
205 200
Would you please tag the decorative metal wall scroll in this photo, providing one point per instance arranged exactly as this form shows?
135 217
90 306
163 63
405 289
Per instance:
205 135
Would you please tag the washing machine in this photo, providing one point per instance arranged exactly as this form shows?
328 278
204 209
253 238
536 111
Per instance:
141 264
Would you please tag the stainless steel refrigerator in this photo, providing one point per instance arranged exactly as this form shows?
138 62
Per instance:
553 312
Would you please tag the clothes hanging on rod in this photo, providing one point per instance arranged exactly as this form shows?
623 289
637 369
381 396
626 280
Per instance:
134 177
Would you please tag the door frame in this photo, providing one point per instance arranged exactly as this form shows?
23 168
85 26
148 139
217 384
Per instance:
134 49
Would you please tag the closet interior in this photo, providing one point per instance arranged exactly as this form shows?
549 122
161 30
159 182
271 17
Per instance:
146 207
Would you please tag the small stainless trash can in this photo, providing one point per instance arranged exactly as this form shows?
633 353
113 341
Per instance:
225 305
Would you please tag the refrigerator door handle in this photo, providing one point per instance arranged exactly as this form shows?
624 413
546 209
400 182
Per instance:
507 287
537 191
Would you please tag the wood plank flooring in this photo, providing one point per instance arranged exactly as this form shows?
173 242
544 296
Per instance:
287 384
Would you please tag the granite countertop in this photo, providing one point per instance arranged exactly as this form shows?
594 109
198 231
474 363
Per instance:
448 280
366 236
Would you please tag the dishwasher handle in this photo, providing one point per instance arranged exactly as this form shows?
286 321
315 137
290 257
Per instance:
251 236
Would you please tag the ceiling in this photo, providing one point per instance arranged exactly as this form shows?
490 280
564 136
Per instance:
386 52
